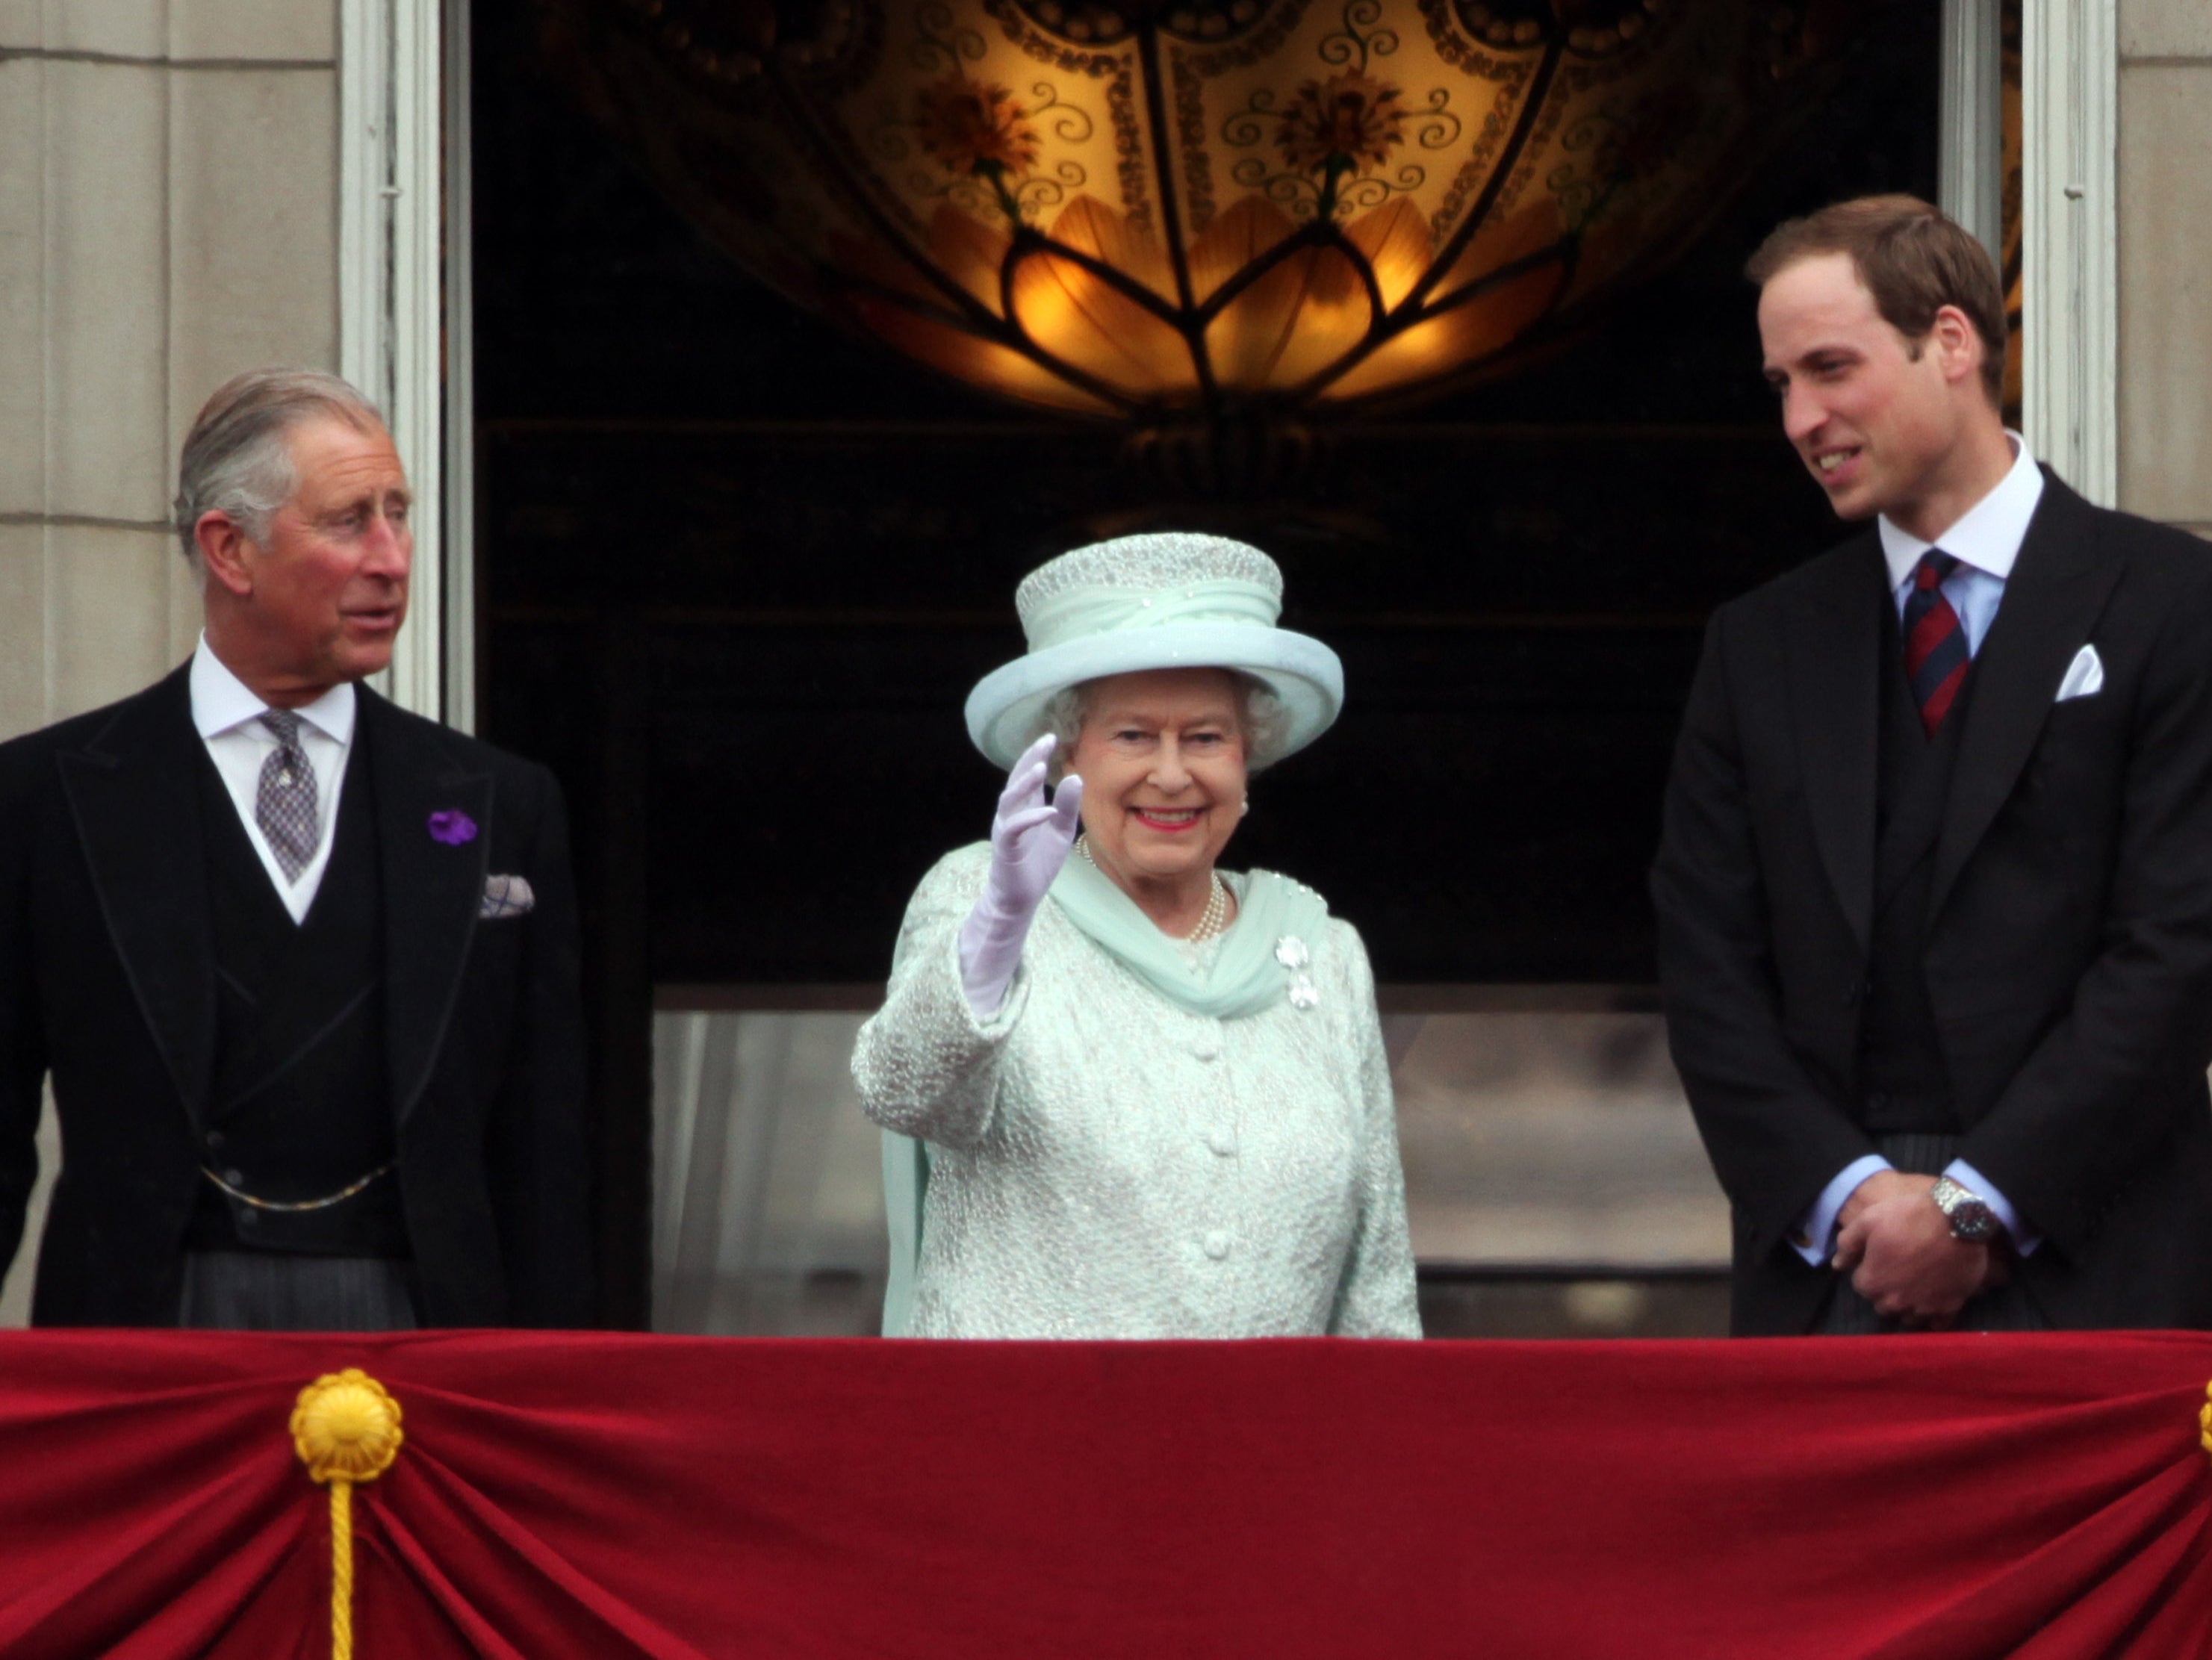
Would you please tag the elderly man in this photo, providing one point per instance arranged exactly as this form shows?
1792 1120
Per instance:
1935 894
301 966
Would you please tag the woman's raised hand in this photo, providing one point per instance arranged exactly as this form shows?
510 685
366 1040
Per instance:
1030 838
1030 841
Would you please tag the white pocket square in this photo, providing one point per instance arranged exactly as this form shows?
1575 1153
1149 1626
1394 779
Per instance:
2085 676
505 895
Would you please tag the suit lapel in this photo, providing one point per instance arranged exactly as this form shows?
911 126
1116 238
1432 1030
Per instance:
432 887
1835 653
134 794
2056 591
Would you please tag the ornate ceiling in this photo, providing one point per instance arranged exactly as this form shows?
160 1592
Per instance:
1143 208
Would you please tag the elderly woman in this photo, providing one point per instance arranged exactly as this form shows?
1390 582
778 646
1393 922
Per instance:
1147 1097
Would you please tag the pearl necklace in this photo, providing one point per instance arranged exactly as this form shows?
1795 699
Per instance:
1212 920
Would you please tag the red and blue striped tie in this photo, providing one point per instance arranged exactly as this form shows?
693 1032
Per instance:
1936 654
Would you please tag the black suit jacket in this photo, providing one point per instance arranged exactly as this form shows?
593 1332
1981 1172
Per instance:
107 982
2069 952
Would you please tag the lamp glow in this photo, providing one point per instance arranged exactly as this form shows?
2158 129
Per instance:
1153 208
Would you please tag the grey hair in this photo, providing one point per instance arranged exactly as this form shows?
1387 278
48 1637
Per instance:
1261 720
236 460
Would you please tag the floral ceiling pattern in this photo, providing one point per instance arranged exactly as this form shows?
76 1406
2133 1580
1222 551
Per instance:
1138 208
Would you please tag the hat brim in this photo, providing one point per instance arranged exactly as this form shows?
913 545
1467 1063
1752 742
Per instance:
1304 675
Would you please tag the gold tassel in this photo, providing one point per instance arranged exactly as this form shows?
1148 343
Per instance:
2204 1421
346 1429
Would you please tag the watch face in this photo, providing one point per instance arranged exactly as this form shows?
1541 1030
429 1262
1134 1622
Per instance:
1971 1218
1972 1221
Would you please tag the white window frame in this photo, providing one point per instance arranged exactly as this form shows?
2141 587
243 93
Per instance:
2070 241
2070 231
1971 160
402 262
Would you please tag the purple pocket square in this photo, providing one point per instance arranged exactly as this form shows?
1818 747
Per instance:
452 827
505 896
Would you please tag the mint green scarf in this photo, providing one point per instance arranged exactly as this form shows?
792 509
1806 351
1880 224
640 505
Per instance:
1244 978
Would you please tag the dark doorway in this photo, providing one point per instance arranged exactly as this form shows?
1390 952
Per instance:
737 572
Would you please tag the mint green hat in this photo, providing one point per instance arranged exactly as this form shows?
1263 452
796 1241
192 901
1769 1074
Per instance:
1169 600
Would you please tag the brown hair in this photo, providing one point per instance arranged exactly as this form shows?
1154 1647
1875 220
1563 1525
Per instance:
1913 260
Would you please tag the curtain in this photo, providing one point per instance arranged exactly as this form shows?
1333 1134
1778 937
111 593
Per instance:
1950 1498
768 1210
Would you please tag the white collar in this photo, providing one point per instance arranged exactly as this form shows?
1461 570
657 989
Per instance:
1987 535
222 701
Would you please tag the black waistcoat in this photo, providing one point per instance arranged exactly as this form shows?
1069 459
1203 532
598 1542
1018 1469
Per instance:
1903 1081
300 1106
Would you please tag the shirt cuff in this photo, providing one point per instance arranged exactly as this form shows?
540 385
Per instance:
2024 1239
1815 1237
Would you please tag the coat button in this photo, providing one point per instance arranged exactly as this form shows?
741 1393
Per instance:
1217 1244
1223 1142
214 1138
236 1178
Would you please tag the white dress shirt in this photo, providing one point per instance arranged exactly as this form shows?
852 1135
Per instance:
1985 542
228 717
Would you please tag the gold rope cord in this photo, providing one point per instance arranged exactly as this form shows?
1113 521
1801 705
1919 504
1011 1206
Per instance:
345 1429
2204 1421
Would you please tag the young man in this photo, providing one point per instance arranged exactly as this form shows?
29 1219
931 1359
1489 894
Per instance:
1935 886
301 966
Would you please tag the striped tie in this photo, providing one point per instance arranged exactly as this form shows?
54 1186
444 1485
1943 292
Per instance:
1936 654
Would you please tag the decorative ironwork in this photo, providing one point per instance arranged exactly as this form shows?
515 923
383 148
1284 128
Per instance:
1308 203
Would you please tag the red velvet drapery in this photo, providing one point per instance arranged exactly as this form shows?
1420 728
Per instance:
612 1496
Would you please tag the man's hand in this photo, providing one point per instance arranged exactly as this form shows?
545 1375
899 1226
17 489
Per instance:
1902 1256
1883 1184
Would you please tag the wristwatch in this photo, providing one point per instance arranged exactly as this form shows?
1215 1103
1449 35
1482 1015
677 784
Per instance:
1968 1213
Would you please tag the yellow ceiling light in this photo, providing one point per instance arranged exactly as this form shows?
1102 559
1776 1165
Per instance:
1154 207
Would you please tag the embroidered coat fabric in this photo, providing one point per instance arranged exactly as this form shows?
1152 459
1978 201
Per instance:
1103 1164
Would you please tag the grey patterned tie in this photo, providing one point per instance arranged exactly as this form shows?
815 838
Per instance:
285 806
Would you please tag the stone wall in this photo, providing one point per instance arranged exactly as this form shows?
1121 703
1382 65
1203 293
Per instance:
2165 260
168 215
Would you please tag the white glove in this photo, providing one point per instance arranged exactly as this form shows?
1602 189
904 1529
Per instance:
1029 842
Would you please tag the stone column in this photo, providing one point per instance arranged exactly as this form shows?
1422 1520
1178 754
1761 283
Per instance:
169 217
2166 261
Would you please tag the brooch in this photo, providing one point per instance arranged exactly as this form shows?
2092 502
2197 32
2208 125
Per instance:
1290 951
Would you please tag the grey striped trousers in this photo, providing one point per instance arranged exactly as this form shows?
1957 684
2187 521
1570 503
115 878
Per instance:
272 1291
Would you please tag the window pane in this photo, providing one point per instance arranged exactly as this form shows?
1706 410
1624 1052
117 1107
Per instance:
1552 1139
769 1206
1555 1183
